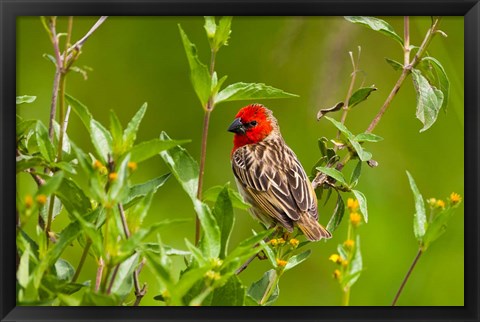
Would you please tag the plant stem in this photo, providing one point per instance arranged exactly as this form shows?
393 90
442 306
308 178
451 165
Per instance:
346 297
114 275
98 279
419 253
406 70
82 259
124 220
271 287
349 92
203 151
406 41
78 45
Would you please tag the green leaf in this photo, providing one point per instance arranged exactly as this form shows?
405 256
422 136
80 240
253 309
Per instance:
210 241
25 99
23 271
51 185
222 33
117 133
97 299
429 100
27 162
270 253
24 126
237 201
369 137
336 219
334 108
258 288
64 269
377 25
250 91
196 253
395 64
334 173
45 146
138 212
148 149
138 191
199 73
356 174
440 79
232 293
223 212
362 201
123 283
72 196
437 227
183 166
81 110
419 218
101 140
160 266
360 95
297 259
130 133
356 267
210 27
119 187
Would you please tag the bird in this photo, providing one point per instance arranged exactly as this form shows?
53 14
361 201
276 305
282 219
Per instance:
269 175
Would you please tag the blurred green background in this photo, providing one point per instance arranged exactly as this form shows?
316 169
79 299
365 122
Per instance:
141 59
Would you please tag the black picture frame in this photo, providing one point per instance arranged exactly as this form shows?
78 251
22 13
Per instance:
10 9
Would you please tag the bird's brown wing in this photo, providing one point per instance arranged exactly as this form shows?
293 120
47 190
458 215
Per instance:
273 177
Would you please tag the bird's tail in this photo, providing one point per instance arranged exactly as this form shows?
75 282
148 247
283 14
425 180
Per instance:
311 228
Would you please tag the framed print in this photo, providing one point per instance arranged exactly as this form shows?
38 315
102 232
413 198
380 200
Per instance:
222 160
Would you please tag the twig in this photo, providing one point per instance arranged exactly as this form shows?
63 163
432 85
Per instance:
420 252
78 45
98 280
112 279
124 220
350 90
82 260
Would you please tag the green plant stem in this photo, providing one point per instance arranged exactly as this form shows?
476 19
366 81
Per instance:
203 151
405 72
98 279
349 92
346 291
346 297
271 287
112 279
82 260
417 257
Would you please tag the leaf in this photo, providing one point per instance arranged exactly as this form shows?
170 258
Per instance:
356 266
237 201
130 133
117 133
210 241
441 80
250 91
210 27
64 269
66 140
25 99
29 162
232 293
429 100
72 196
196 253
336 219
223 212
81 110
119 187
334 173
123 283
97 299
437 227
395 64
138 191
377 25
362 201
360 95
51 185
258 288
222 33
369 137
24 126
183 166
101 140
199 74
45 146
297 259
356 174
324 111
148 149
270 253
23 271
419 218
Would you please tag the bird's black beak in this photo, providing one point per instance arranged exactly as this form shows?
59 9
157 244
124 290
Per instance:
237 126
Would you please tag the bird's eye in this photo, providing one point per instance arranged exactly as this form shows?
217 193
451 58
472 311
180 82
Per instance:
253 123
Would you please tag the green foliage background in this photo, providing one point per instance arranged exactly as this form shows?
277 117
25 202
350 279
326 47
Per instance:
141 59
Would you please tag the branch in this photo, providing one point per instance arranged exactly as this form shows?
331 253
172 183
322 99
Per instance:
420 252
78 45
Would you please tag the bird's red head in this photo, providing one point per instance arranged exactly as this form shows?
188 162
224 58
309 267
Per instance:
252 124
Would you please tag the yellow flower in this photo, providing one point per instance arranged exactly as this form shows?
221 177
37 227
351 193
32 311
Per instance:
132 165
335 258
455 198
432 202
212 275
337 274
41 199
440 204
28 201
349 243
352 204
281 262
355 218
294 242
112 176
273 242
216 262
281 241
344 263
97 164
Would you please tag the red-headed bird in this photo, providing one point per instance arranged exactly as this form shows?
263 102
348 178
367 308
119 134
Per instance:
269 175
